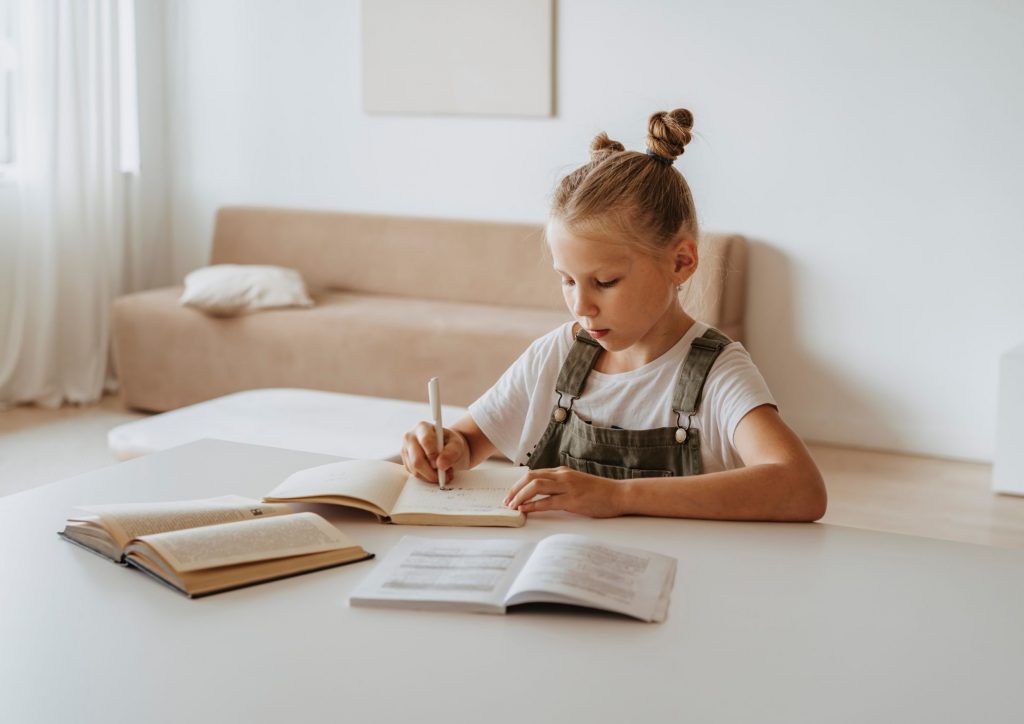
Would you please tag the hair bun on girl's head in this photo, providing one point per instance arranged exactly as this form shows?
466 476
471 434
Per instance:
630 196
669 132
602 147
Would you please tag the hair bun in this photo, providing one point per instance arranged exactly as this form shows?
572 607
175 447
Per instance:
669 132
602 147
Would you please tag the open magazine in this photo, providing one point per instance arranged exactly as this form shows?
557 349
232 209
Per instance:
488 576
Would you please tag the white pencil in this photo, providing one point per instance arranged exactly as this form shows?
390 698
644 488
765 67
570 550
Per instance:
434 395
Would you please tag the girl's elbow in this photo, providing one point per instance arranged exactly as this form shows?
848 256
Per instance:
815 498
805 497
817 508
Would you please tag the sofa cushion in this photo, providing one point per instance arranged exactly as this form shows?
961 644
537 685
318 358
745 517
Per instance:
228 289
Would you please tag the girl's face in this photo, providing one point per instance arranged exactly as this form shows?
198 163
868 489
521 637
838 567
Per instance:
620 296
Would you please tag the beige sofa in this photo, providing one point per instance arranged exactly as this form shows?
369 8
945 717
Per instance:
398 300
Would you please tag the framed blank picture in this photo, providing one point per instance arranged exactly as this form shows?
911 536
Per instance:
479 57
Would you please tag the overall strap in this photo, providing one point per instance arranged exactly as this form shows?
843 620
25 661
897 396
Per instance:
577 365
704 350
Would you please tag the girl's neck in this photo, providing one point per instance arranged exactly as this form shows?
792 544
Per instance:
659 340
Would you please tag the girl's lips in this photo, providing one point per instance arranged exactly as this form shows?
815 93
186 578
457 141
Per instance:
597 333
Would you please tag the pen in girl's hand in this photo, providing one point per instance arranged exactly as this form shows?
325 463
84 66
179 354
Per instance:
434 395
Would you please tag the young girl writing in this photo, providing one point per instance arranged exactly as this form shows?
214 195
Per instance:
634 408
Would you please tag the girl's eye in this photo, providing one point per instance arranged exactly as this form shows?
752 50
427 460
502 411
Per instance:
567 282
608 284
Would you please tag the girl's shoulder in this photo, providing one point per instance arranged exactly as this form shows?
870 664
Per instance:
733 355
734 373
732 367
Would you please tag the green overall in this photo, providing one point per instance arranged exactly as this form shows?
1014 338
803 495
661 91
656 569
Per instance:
611 452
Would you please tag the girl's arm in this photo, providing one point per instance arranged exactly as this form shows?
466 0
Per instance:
780 482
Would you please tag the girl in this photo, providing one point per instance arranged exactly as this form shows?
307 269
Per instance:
634 408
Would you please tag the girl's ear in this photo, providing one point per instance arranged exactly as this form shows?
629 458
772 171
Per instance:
684 259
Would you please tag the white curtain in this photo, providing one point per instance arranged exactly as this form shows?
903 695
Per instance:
71 233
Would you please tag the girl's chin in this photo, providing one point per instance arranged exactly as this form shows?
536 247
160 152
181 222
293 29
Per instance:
611 343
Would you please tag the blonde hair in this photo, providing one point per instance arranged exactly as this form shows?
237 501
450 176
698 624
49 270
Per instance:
629 196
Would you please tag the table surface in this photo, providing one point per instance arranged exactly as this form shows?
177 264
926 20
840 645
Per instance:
768 623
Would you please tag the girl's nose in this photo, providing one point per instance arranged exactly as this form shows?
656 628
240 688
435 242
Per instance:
583 306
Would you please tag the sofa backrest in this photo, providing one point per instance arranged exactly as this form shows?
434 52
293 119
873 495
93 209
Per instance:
480 262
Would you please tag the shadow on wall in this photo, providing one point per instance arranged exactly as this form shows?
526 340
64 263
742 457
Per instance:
817 401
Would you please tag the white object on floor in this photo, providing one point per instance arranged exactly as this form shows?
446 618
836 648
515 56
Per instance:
352 426
1008 465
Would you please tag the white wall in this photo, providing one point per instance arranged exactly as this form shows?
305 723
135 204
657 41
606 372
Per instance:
873 150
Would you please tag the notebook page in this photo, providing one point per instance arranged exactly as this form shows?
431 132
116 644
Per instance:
375 481
472 493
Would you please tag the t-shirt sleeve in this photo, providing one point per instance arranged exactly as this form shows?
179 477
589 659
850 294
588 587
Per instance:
734 388
501 412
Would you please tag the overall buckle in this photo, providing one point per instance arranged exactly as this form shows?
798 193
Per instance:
561 414
682 433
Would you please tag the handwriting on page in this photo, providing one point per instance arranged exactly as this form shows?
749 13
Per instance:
456 499
453 566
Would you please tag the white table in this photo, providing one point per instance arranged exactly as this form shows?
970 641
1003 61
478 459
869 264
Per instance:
768 623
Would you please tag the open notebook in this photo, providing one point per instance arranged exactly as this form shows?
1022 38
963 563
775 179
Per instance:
388 491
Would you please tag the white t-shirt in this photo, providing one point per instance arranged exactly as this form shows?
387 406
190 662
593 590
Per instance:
514 413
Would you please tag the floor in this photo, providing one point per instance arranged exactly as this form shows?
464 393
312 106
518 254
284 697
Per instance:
919 496
875 490
39 445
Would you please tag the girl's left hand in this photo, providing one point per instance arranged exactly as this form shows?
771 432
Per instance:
567 489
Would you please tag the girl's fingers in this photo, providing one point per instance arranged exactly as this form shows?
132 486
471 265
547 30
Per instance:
423 470
516 487
415 459
514 491
427 439
522 495
552 502
420 454
452 451
534 487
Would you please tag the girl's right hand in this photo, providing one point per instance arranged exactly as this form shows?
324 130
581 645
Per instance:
420 453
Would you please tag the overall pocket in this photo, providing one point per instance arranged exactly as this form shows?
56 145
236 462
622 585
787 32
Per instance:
614 472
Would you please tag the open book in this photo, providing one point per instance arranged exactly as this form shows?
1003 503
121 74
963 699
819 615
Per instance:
204 546
488 576
388 491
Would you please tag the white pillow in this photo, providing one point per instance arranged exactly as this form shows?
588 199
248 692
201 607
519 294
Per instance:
227 289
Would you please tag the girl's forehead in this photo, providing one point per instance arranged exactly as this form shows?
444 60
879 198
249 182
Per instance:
568 247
